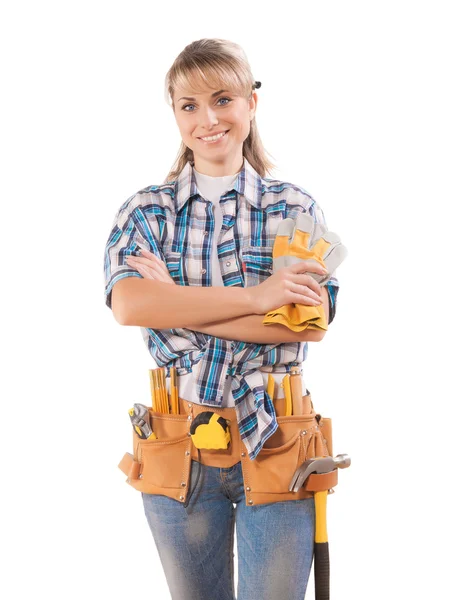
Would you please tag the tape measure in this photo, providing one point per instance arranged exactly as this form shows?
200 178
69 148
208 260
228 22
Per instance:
211 431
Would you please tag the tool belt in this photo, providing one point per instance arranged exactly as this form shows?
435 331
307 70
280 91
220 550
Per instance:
163 465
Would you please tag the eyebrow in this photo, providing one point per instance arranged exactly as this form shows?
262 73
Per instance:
212 96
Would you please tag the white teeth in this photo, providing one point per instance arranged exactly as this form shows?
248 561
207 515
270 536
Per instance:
214 137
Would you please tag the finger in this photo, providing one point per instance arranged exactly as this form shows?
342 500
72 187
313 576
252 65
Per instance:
310 285
152 257
308 295
158 269
150 263
143 270
156 274
312 265
165 277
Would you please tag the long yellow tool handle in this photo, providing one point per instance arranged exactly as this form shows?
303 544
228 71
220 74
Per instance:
296 392
158 391
270 386
162 376
174 395
171 377
288 395
321 548
164 393
154 404
177 393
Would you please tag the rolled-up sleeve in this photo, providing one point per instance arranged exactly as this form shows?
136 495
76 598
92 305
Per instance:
135 226
124 240
332 289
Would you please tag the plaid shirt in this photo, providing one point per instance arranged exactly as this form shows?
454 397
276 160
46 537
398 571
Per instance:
175 223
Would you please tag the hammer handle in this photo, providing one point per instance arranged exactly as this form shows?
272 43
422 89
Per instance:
321 548
322 571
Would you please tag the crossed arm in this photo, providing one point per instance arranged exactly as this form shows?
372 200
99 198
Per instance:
138 302
219 311
250 328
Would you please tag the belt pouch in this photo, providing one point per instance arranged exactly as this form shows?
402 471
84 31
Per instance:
161 466
297 438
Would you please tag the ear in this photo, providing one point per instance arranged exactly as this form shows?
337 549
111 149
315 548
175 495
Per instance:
252 103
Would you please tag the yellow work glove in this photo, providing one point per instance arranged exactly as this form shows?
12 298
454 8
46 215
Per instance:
304 240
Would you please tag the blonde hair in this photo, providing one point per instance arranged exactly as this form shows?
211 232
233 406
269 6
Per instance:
219 64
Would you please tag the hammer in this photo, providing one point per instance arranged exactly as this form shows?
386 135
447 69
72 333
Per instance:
321 543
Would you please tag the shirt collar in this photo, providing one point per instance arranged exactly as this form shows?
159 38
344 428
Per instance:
247 183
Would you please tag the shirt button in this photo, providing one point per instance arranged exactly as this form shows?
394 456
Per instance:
203 271
228 263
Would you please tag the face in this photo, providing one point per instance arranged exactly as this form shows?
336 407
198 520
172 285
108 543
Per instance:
203 115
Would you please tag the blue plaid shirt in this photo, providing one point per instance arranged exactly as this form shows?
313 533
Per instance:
175 223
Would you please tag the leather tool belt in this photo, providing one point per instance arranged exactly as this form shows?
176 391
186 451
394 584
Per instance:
162 466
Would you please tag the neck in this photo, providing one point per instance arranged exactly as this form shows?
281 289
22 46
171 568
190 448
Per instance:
230 166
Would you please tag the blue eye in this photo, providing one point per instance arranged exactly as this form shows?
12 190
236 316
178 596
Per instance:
223 98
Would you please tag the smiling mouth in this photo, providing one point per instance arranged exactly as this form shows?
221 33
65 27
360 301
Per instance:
215 138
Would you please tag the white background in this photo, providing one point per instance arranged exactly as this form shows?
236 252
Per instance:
361 104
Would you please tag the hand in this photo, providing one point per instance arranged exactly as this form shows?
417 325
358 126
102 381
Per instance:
289 285
150 266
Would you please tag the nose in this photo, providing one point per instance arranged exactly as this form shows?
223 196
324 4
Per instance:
207 117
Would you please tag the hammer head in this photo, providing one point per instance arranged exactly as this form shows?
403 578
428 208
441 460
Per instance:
323 464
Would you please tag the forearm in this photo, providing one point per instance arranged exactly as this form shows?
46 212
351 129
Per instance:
250 328
159 305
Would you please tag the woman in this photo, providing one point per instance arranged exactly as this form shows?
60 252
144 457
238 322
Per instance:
190 262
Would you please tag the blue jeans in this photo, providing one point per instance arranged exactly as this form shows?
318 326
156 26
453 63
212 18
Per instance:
195 544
